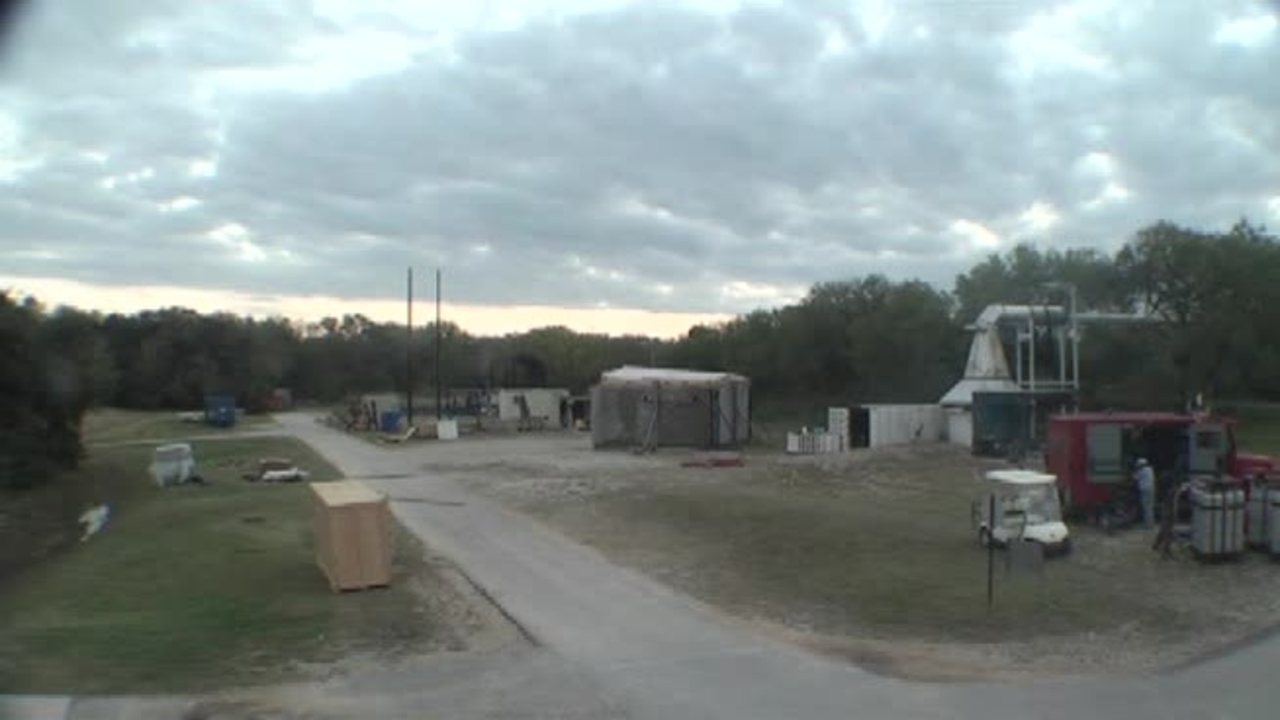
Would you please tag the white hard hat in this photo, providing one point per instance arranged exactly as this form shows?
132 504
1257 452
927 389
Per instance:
1142 462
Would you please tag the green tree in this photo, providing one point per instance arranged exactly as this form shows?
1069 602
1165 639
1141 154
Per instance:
41 399
1216 293
1021 275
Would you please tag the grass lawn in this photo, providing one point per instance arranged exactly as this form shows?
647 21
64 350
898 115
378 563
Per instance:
880 546
889 569
192 588
1259 428
111 425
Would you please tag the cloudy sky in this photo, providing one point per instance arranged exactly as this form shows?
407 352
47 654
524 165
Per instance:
617 166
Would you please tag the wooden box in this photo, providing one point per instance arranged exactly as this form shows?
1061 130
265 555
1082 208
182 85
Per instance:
353 531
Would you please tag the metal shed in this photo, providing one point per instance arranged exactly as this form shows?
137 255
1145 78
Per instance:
651 407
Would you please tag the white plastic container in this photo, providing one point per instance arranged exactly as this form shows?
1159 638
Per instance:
447 430
1273 522
1217 520
173 464
1259 523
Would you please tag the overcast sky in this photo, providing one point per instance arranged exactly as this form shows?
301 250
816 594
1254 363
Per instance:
690 159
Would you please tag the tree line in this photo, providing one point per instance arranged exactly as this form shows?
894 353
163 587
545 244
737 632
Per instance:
867 339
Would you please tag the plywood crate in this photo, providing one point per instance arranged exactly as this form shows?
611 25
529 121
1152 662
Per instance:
353 530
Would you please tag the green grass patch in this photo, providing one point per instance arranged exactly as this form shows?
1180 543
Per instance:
112 425
879 548
888 567
193 587
1259 428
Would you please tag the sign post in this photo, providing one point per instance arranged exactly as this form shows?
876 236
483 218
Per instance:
991 551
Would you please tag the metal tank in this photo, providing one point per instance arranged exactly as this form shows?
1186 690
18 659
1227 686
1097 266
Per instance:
1217 519
1258 526
1273 521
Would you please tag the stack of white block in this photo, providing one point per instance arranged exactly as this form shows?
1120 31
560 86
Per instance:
812 443
835 439
838 425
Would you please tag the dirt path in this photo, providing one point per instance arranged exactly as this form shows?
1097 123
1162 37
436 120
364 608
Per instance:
667 656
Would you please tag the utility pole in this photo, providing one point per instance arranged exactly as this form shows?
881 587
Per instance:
439 387
1075 344
408 359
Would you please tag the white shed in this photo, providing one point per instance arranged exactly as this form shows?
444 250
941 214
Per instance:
544 403
901 424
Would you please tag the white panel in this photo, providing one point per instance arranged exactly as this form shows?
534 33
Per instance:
901 424
960 428
838 426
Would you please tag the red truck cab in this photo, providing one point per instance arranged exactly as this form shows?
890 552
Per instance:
1093 454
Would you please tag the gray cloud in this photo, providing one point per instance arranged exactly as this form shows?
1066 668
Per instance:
643 157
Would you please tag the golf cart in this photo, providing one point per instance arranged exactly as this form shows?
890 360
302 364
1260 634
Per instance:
1026 508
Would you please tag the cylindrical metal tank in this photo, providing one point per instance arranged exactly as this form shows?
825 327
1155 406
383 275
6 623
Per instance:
1217 519
1273 521
1258 525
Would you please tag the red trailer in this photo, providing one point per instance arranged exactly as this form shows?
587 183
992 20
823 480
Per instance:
1093 454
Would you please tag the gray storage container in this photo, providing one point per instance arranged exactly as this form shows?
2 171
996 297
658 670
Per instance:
1217 519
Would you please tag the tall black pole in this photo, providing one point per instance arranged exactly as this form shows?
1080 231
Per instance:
439 388
991 550
408 356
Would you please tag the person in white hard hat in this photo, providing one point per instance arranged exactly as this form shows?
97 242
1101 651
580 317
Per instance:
1145 478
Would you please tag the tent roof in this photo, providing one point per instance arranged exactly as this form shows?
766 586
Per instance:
635 373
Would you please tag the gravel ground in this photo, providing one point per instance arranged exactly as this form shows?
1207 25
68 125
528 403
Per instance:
1172 612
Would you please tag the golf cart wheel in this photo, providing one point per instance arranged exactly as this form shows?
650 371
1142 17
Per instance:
984 537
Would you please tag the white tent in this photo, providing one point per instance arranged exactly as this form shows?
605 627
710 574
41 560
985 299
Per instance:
650 407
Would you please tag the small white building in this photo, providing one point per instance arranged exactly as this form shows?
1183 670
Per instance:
987 370
544 403
884 425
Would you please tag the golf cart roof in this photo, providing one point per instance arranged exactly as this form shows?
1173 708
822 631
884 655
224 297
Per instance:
1021 477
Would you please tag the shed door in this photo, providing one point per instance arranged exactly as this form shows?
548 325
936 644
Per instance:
1208 451
1105 450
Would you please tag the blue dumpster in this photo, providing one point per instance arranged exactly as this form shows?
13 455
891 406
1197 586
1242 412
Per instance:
220 410
390 421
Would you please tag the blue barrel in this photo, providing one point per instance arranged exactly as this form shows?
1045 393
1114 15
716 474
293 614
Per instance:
390 421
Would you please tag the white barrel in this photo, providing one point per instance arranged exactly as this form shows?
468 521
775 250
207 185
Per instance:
1217 520
1273 522
1256 527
